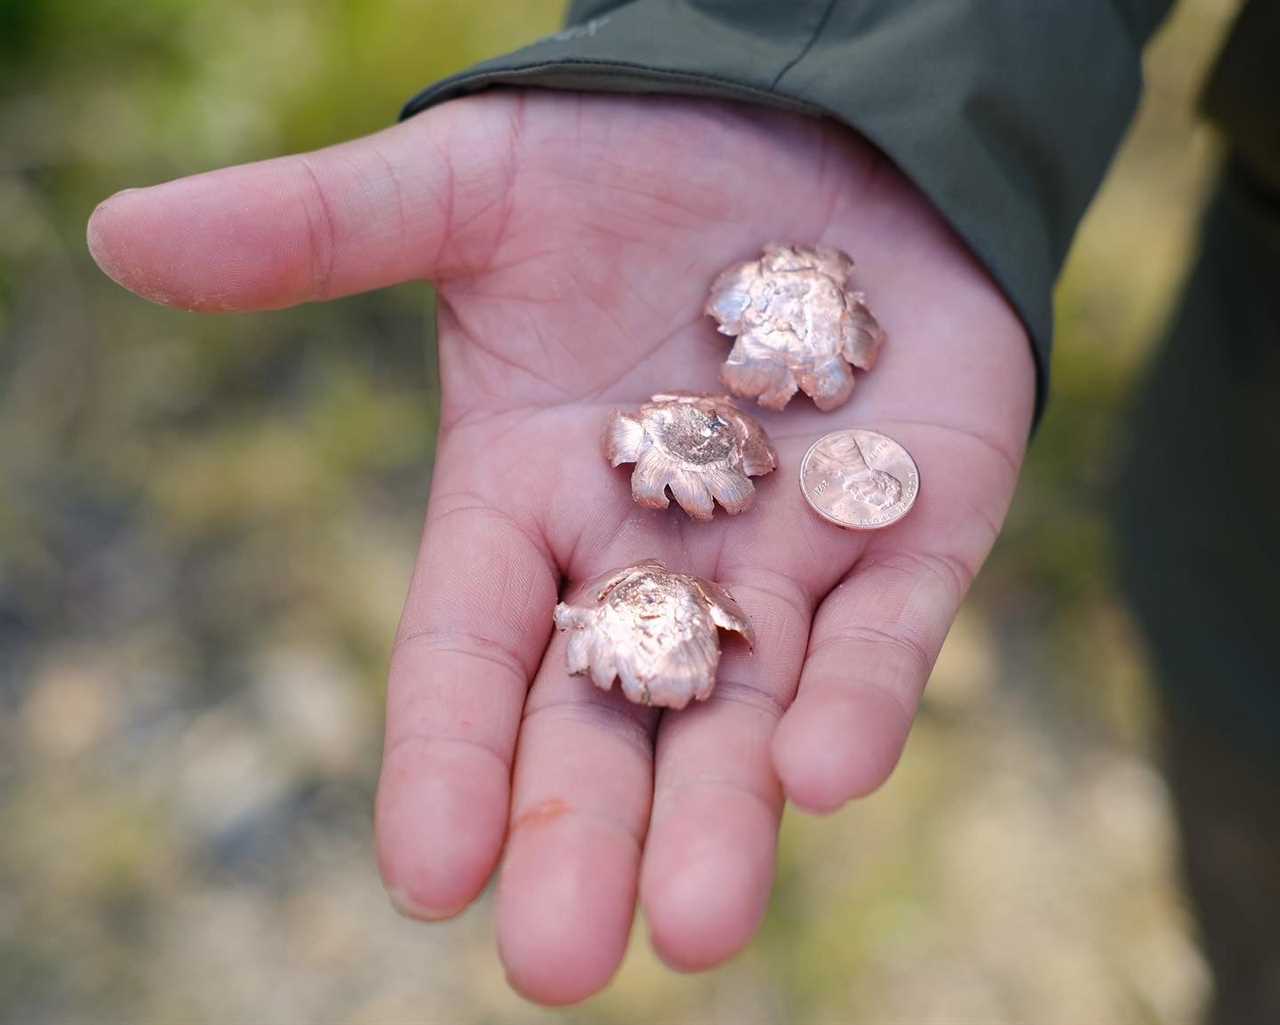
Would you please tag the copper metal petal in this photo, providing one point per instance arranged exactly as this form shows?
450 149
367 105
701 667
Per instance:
755 371
731 489
731 295
623 440
649 480
829 384
863 335
725 611
689 488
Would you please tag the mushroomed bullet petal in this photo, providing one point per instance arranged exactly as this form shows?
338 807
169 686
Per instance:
624 439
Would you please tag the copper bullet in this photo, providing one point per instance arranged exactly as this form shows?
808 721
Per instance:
798 326
702 447
655 630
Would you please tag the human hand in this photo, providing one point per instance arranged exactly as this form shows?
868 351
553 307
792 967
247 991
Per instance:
572 239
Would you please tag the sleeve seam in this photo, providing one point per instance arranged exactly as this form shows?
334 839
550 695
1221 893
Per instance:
614 68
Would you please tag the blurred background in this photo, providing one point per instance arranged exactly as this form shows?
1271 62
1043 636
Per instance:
206 531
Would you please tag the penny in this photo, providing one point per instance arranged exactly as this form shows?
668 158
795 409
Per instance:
859 479
655 630
701 447
798 326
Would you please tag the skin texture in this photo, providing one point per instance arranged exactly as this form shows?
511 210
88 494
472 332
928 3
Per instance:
573 239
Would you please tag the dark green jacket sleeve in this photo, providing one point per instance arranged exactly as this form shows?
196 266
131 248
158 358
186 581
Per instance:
1004 112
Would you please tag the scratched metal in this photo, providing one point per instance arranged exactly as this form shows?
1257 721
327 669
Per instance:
654 630
798 326
859 479
701 447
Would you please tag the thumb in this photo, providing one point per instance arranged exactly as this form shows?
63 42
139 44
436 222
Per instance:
424 199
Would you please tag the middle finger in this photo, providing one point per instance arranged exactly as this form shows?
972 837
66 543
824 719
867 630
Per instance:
709 860
580 804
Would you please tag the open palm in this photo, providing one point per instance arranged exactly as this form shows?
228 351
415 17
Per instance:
573 239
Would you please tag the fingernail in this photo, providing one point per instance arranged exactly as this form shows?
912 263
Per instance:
94 236
403 905
112 240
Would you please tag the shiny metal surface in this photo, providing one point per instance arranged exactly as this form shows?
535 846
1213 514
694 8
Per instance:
798 326
701 447
654 630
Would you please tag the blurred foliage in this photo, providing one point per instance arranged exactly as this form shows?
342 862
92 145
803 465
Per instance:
207 525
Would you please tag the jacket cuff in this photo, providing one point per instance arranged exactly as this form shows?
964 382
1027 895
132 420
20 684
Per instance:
1005 114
